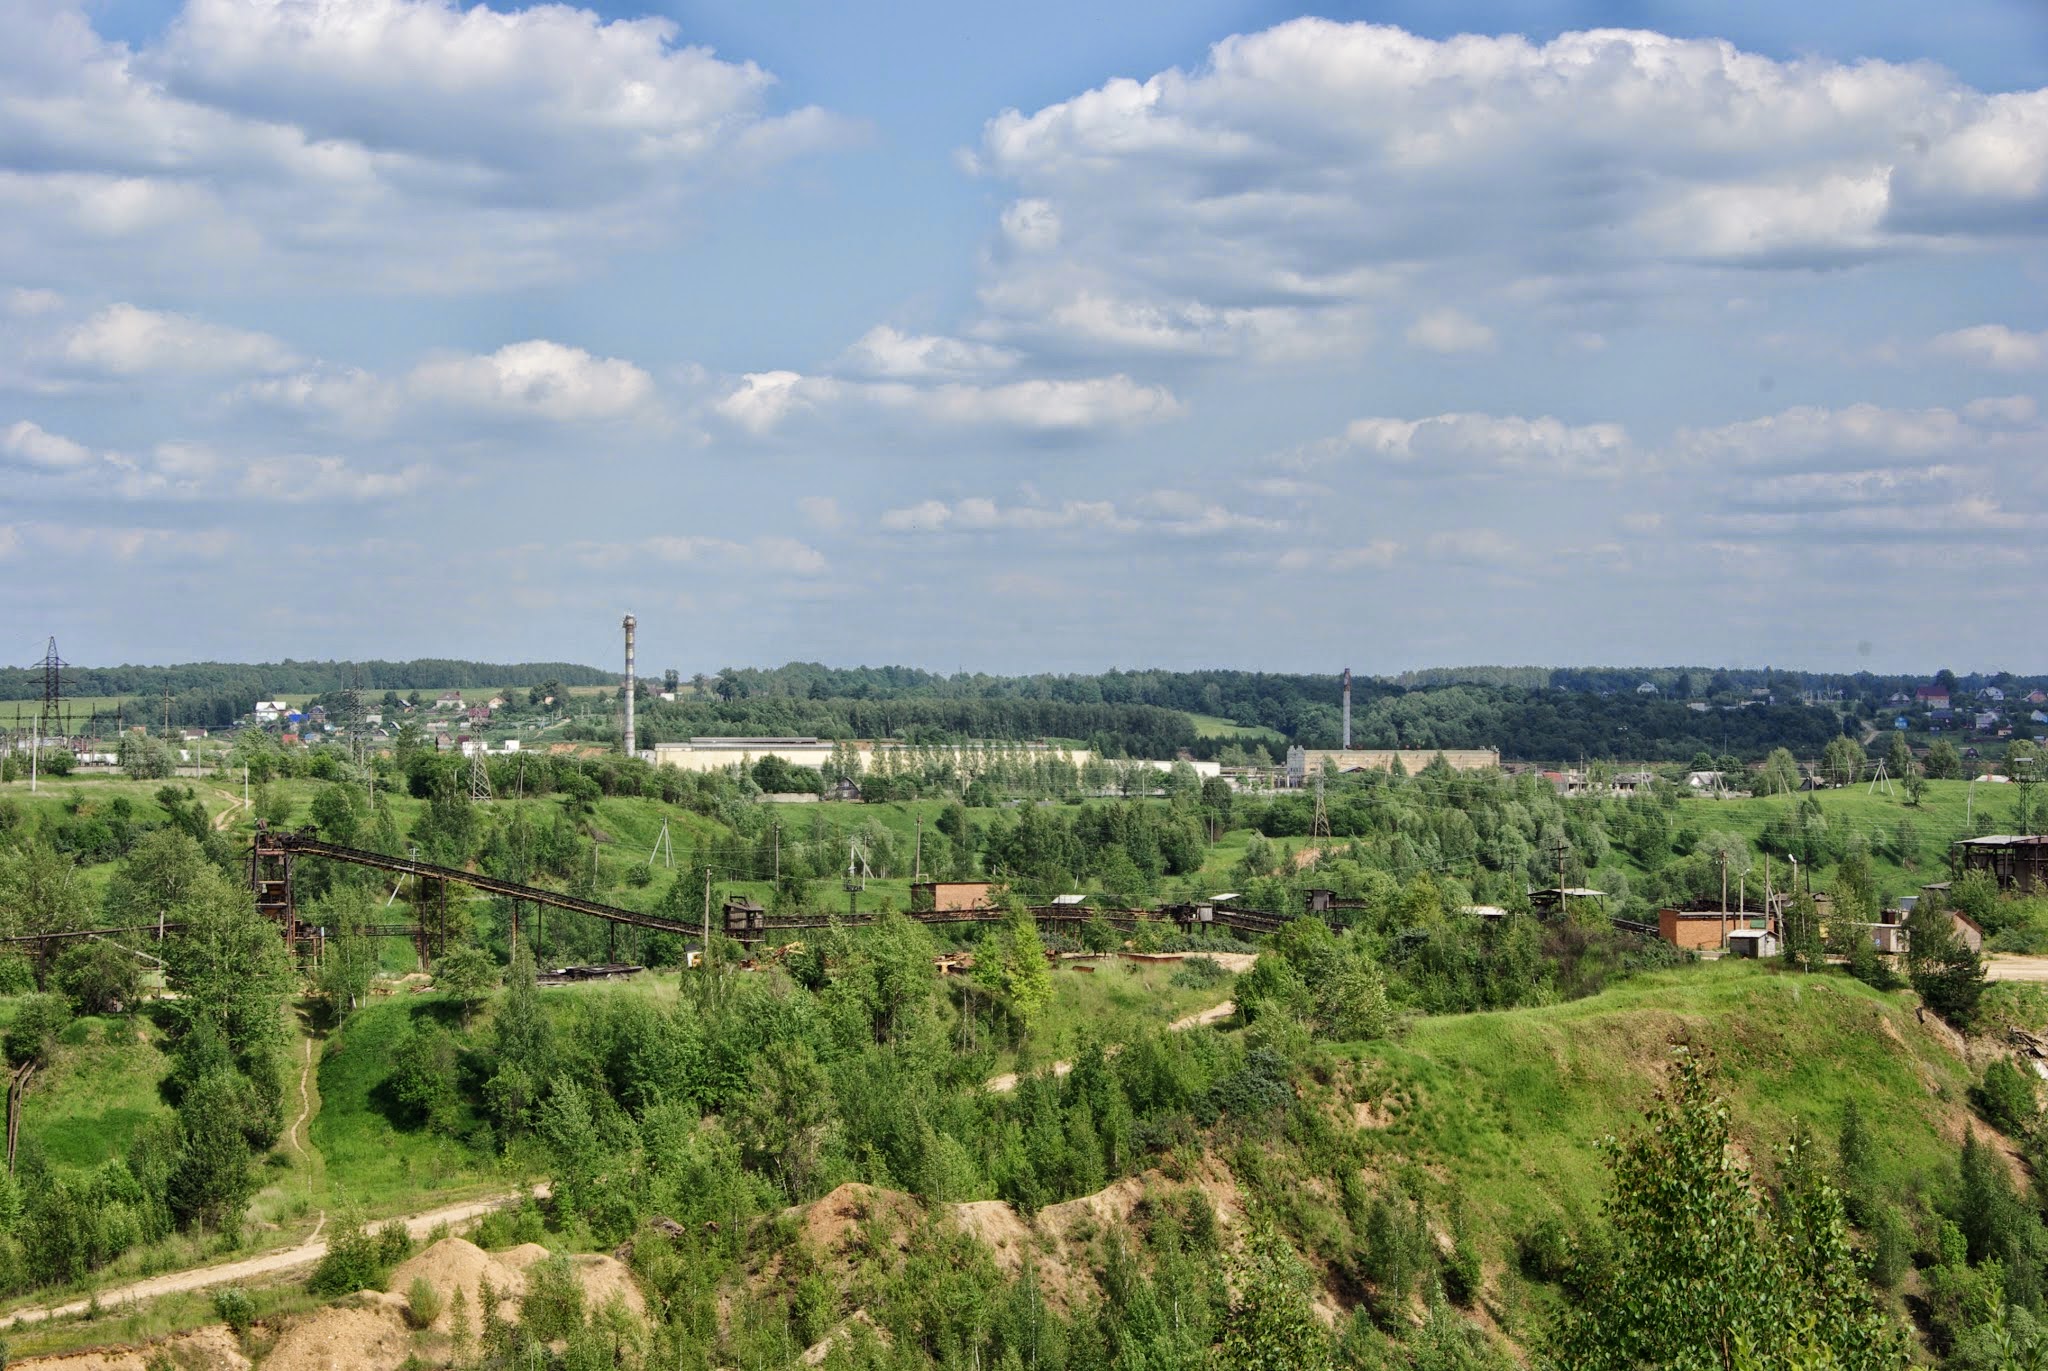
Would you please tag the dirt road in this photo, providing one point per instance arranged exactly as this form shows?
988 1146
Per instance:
2003 966
253 1268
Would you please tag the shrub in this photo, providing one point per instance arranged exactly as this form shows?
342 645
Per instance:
1545 1252
2005 1097
1198 973
422 1303
351 1263
235 1308
33 1034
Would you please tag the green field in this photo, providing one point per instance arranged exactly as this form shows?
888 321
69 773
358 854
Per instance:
1211 726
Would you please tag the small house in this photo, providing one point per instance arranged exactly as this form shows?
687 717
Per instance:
448 699
1931 697
1753 942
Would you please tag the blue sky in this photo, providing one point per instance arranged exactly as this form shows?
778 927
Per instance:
1048 338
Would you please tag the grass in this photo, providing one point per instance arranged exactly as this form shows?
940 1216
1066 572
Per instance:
88 1105
368 1161
1510 1105
1113 1001
1213 726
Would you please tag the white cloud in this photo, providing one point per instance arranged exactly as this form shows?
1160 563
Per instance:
38 448
821 512
2002 410
26 303
125 340
1448 331
1190 515
1473 545
299 480
1304 171
536 378
420 141
884 352
977 513
1997 347
1378 554
1851 435
774 554
763 401
1454 443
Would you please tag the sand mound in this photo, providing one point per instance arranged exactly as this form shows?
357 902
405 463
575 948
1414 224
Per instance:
815 1354
214 1349
830 1224
367 1335
456 1264
605 1279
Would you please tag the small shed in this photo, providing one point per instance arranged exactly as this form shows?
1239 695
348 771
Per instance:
938 897
1753 942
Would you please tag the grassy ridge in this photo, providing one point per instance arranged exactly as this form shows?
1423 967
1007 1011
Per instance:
1511 1105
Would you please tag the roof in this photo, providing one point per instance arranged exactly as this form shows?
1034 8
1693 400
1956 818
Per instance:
2004 840
1070 899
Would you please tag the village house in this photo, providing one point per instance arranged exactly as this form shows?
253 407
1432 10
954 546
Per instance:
1931 697
449 699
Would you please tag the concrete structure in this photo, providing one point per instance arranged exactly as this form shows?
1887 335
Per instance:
1753 942
931 897
713 754
1303 763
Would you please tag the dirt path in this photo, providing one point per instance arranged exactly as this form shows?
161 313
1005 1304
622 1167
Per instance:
1215 1013
2004 966
297 1132
236 804
252 1268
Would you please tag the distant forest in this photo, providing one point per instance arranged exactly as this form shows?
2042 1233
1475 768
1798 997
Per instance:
1529 713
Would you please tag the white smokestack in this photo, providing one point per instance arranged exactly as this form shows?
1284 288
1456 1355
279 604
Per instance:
630 690
1347 701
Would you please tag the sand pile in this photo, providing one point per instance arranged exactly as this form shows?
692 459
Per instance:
366 1335
213 1349
454 1264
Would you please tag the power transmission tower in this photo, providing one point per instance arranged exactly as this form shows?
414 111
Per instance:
663 848
1321 827
51 720
479 774
1880 777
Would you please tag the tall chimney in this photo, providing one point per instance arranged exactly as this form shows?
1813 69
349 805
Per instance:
1347 695
629 687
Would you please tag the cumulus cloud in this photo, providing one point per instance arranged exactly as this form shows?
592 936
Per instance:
774 554
535 379
1451 444
126 340
31 445
763 401
1303 172
1171 512
419 140
884 352
978 513
1812 434
1997 347
1448 331
178 470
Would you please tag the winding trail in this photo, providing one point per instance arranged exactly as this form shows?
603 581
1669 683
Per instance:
236 805
285 1259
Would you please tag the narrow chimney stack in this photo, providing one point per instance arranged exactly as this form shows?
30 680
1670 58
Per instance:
1347 700
630 689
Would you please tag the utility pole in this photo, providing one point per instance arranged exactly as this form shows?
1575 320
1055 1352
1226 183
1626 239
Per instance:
1724 897
917 859
778 854
704 956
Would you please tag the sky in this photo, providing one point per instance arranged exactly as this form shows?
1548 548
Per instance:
1026 338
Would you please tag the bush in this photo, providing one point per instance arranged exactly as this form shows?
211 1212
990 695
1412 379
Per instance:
235 1308
1198 973
352 1262
33 1034
98 977
2005 1097
422 1303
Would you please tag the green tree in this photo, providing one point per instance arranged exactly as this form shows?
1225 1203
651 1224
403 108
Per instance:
159 873
211 1180
1780 773
466 975
1271 1324
98 977
1944 763
1842 761
41 890
1947 974
229 966
1915 782
786 1114
1699 1273
1898 758
32 1036
1011 960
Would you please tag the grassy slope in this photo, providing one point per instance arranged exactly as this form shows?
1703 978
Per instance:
102 1088
1511 1104
1211 726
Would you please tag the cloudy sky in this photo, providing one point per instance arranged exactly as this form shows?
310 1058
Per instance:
1059 336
